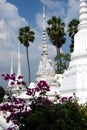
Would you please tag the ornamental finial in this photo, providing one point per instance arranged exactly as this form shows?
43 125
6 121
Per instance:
83 15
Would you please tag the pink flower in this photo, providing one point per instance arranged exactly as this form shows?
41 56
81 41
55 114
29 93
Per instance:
23 83
20 88
18 82
70 98
74 94
3 75
12 83
64 99
20 77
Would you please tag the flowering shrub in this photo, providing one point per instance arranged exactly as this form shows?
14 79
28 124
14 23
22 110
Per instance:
40 113
13 79
19 108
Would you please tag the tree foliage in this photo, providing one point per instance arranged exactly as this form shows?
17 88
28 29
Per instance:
66 116
56 33
63 65
72 30
2 93
26 35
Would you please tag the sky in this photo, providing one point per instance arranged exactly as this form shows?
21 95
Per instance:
15 14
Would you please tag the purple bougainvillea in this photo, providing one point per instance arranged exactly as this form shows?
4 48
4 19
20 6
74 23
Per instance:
19 108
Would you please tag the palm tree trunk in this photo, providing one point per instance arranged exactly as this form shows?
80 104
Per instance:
58 60
29 76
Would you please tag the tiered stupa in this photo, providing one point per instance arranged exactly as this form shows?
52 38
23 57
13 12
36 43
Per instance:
19 88
75 77
16 88
11 73
45 69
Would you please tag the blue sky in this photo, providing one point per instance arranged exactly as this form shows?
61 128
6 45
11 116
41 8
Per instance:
18 13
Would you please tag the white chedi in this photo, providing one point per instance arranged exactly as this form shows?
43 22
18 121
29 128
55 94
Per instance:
75 77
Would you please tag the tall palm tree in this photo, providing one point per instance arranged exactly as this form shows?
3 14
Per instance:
56 33
26 36
72 30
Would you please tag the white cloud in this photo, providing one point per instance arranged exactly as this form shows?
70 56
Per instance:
66 10
2 24
56 7
39 20
52 4
10 22
72 11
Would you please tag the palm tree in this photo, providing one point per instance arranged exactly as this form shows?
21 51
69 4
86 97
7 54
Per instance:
65 58
56 33
72 30
26 36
